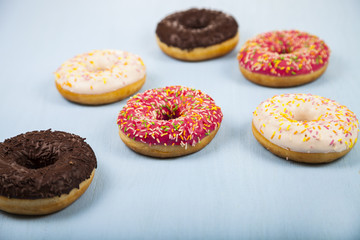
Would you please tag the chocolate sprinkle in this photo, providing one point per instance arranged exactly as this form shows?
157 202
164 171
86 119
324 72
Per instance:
44 164
196 28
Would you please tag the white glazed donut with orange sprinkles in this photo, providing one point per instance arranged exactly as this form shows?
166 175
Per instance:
100 76
305 128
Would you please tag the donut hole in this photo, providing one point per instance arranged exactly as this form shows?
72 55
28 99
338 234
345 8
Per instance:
280 45
97 68
196 20
36 157
281 49
303 116
99 63
307 115
285 50
167 113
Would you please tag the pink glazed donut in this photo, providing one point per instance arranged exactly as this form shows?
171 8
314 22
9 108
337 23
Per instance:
169 122
283 58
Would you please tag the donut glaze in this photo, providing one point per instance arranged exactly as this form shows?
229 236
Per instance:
196 28
170 116
306 123
284 54
44 164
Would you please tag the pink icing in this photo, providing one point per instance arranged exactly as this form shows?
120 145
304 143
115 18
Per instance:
284 53
173 115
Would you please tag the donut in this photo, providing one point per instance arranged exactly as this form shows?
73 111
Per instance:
100 77
305 128
42 172
169 122
197 34
283 58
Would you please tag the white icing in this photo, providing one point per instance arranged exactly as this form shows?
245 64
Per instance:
306 123
100 71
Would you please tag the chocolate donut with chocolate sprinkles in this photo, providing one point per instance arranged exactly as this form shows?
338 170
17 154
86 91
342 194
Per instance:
197 34
44 171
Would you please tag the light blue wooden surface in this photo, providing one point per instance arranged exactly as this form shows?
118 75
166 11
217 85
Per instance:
232 189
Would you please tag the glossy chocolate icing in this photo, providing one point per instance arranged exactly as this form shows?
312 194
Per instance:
44 164
196 28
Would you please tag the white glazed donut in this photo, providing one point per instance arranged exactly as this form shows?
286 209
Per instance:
305 127
100 76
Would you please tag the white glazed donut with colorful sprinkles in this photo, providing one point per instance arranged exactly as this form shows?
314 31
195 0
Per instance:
169 122
100 76
305 127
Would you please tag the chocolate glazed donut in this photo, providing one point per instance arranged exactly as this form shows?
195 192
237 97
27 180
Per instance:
44 171
197 29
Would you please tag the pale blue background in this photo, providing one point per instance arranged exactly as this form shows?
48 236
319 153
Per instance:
232 189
